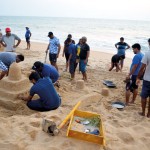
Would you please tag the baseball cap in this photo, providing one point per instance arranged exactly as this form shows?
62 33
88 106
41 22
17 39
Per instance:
37 65
8 30
50 33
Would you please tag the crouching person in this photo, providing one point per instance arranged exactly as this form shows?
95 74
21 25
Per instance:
43 87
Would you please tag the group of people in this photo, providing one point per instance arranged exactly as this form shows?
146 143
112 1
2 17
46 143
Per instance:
139 70
46 76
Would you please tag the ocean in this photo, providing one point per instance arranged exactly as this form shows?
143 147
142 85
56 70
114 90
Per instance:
102 34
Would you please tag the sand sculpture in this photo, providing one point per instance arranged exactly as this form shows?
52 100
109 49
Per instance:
13 85
80 84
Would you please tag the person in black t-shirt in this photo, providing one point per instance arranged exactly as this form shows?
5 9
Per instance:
84 54
65 50
115 62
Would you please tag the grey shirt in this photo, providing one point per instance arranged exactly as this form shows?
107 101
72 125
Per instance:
10 42
8 58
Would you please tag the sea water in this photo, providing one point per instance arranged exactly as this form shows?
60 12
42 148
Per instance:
101 34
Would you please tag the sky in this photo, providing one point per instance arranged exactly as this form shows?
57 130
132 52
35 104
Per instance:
107 9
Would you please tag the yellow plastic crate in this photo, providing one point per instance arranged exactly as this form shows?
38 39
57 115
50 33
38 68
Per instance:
98 139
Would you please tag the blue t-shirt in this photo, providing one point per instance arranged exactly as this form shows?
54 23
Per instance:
45 90
28 33
121 48
72 50
50 71
137 61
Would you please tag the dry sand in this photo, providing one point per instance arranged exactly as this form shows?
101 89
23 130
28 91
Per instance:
20 128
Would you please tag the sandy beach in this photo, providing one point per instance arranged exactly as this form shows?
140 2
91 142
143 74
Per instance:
20 128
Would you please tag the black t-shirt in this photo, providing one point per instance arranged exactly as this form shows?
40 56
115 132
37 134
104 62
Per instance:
115 58
66 45
84 49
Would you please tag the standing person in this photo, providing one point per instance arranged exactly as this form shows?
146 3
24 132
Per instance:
134 69
65 50
43 87
0 37
78 49
72 58
54 49
8 41
6 59
122 47
145 93
84 55
28 36
46 70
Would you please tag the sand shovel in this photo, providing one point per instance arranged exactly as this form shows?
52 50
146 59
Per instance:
50 126
45 57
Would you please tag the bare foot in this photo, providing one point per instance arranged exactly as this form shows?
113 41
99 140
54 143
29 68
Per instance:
148 115
141 113
132 102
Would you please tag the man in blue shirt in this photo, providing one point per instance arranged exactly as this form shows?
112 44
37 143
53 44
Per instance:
134 69
46 70
122 47
72 57
54 49
27 36
43 87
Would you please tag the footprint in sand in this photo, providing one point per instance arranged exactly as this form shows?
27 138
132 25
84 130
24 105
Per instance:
126 137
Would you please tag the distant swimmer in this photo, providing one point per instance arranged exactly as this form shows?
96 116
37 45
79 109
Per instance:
122 47
28 36
48 97
54 49
8 41
6 59
115 62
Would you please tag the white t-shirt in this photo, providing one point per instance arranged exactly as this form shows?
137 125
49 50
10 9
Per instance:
146 60
10 42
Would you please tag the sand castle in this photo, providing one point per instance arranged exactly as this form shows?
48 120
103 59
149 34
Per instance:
13 85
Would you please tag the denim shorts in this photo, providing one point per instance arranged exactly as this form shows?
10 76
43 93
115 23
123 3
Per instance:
82 66
145 93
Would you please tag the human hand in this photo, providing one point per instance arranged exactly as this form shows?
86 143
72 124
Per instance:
14 46
85 61
46 51
137 81
57 55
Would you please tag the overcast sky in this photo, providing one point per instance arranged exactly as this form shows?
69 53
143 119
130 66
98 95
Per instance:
108 9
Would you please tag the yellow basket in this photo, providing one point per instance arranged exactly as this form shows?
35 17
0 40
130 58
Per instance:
98 139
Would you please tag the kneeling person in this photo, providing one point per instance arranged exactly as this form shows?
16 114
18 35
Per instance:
43 87
46 70
115 62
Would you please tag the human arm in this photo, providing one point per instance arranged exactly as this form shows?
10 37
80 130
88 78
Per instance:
132 71
63 51
3 42
28 98
30 34
18 40
3 73
128 46
59 47
87 56
116 45
141 72
47 48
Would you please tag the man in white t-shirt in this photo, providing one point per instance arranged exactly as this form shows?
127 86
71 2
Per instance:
8 41
54 49
145 93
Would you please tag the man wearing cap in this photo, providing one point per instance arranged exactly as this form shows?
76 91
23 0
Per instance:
27 36
65 50
54 49
8 41
83 56
46 70
6 59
